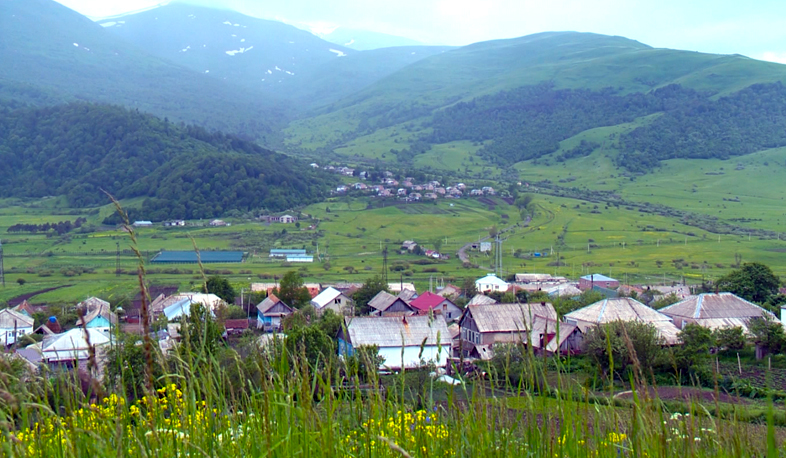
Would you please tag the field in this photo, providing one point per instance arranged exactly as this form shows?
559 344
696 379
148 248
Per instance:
575 237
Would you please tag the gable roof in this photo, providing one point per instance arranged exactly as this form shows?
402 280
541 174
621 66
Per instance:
407 295
626 309
72 344
10 319
240 323
450 290
598 277
270 302
481 299
508 317
383 300
428 301
397 331
325 297
98 308
492 279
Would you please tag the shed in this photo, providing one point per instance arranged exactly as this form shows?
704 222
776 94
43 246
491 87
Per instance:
270 312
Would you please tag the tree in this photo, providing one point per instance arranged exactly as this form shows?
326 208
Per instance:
620 337
753 281
364 362
291 290
21 281
370 288
696 343
220 287
768 335
730 338
311 342
200 332
468 288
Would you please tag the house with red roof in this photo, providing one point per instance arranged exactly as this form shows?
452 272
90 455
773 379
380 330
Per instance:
428 301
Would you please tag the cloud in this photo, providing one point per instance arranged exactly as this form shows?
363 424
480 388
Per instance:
777 57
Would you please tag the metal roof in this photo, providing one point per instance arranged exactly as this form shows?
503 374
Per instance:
428 301
716 305
398 331
72 344
491 279
383 300
598 277
509 317
626 309
481 299
10 319
325 297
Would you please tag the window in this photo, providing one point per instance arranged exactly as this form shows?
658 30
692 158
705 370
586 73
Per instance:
337 300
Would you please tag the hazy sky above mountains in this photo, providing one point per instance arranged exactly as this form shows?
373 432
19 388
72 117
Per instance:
756 28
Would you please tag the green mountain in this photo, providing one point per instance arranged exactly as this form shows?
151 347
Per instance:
262 55
80 150
517 99
53 54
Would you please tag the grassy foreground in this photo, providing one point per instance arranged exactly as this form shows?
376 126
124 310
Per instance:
285 409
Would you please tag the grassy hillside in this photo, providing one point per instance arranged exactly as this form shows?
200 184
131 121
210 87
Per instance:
566 61
49 49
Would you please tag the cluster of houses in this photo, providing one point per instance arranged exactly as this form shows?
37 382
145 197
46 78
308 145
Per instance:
406 189
409 328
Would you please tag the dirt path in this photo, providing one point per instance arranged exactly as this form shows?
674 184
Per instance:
19 299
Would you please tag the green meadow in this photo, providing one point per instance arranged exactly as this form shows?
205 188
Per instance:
572 236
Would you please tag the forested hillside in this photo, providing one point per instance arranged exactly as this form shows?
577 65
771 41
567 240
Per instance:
80 149
529 122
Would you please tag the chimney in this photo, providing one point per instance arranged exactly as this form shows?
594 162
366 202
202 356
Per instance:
404 319
543 303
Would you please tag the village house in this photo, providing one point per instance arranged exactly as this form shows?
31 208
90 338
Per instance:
415 196
417 187
397 287
314 165
341 189
270 312
488 190
491 283
360 186
142 223
624 309
403 341
716 311
287 219
97 313
386 304
14 325
481 299
590 281
218 223
408 245
407 295
430 302
450 291
401 192
333 299
483 326
476 192
430 196
71 348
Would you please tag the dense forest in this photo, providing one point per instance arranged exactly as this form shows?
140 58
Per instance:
529 122
750 120
79 150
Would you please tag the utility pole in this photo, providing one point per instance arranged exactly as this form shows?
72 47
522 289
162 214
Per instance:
2 270
385 265
117 260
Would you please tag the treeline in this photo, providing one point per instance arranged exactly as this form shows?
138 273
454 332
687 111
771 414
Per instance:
529 122
80 150
60 228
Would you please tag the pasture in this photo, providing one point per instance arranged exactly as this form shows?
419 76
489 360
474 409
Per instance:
578 237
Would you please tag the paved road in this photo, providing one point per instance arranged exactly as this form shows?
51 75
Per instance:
462 252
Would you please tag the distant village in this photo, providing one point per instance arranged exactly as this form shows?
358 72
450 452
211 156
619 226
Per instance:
405 189
440 326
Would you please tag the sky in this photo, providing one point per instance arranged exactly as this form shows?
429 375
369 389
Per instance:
755 28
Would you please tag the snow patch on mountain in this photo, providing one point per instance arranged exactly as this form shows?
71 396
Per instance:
338 53
76 45
350 42
240 51
108 24
186 48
